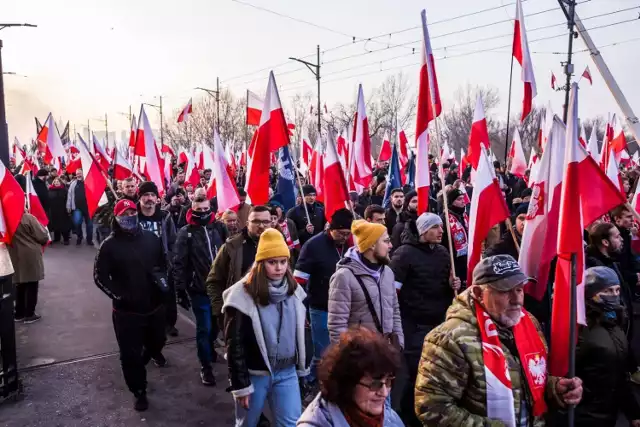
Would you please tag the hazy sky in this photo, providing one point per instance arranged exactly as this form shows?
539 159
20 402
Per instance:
89 57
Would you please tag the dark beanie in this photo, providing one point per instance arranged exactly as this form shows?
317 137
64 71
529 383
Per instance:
308 189
407 198
148 187
341 220
597 279
522 208
42 172
453 195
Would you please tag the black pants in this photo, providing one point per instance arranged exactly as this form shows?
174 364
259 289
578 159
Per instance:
61 235
26 299
413 340
138 333
170 304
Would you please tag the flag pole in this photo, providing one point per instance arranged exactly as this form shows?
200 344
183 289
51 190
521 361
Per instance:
306 211
506 142
573 309
513 234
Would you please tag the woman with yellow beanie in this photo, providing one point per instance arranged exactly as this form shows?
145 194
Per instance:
264 330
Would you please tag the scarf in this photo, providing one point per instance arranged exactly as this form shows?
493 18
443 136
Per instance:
278 320
459 233
356 418
533 357
287 235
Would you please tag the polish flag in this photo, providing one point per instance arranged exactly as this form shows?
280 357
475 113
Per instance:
334 183
192 176
423 173
587 194
167 171
540 236
479 136
167 149
122 169
429 104
225 187
231 160
103 159
186 111
625 159
619 141
613 172
403 156
19 155
362 172
521 53
183 156
341 146
464 161
254 108
553 81
592 147
134 131
12 202
49 141
385 149
95 182
306 152
316 170
518 160
587 75
146 147
488 208
33 202
272 134
583 136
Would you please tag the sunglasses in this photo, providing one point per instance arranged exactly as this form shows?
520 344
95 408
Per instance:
376 385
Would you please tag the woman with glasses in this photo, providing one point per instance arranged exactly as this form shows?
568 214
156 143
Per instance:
356 375
264 331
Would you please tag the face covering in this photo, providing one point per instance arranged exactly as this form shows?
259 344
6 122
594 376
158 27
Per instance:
128 223
201 218
609 304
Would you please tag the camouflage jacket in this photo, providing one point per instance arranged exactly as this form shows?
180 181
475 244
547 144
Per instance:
451 384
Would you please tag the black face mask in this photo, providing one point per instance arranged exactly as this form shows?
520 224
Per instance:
608 302
201 218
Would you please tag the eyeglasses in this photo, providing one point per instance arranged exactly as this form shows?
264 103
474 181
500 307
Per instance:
257 222
376 384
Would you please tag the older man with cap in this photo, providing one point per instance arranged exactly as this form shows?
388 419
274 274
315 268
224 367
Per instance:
361 291
422 269
313 224
462 379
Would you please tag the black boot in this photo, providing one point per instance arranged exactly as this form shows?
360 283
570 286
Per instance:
141 403
207 377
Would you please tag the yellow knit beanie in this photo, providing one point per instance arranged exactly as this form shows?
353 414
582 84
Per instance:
271 245
366 233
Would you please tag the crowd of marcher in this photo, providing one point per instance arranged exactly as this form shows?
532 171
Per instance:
331 315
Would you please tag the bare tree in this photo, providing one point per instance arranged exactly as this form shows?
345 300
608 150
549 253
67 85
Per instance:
529 130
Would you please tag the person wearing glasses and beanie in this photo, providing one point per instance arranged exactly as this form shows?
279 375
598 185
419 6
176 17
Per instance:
356 374
264 331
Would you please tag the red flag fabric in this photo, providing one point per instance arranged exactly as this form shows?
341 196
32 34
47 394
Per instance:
404 149
587 75
254 108
318 171
122 169
33 203
479 136
186 111
12 201
423 173
134 131
226 191
49 141
192 175
272 134
385 149
488 208
553 81
94 181
522 55
518 161
334 182
429 105
146 147
613 172
587 194
464 161
618 142
101 155
362 170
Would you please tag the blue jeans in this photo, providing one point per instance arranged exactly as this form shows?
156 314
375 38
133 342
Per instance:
283 393
206 328
320 337
77 218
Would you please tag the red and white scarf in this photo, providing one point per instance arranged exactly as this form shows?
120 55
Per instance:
287 236
459 234
533 357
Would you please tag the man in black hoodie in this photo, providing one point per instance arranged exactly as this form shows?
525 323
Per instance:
298 214
459 224
128 269
409 212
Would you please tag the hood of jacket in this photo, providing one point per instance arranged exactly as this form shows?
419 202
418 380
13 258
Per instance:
351 260
462 309
321 413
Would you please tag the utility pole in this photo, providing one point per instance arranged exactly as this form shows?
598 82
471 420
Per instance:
106 129
569 9
4 131
88 131
215 94
315 69
161 125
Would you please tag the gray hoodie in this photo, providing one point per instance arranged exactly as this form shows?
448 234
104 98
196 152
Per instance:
348 304
321 413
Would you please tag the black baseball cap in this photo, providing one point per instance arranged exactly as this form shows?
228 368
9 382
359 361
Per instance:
501 272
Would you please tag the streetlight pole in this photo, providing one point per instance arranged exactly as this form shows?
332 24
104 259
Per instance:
315 69
4 131
159 107
569 8
215 94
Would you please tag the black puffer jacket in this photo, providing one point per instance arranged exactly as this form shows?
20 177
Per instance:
299 217
123 270
398 229
423 269
195 249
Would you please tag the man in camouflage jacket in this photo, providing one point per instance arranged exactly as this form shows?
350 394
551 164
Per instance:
451 388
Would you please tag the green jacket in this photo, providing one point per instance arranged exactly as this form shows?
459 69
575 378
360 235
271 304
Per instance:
451 384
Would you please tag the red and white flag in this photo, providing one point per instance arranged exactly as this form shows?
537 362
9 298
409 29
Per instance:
12 202
231 160
587 194
95 182
122 169
101 155
316 170
540 236
362 172
167 149
385 149
192 174
49 141
306 152
613 172
429 105
254 108
587 75
619 141
464 161
19 155
479 136
553 81
518 161
335 185
186 111
592 146
521 53
403 156
225 187
134 131
272 134
423 173
488 208
33 202
583 136
146 147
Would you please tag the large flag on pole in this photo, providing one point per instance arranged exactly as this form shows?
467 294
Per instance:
49 141
385 149
254 108
12 201
479 136
362 172
518 161
521 53
587 194
226 190
95 182
146 147
186 111
286 185
122 169
335 185
33 202
429 105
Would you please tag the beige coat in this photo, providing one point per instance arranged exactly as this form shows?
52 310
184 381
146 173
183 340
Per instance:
26 250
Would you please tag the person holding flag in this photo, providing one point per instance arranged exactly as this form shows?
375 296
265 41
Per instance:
459 224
